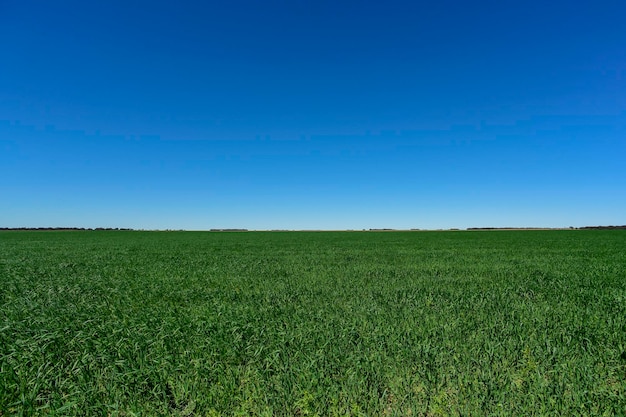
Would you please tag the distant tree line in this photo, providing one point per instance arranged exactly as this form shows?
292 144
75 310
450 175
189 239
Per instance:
603 227
548 228
284 230
64 228
509 228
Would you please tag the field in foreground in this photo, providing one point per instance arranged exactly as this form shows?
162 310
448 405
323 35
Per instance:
328 323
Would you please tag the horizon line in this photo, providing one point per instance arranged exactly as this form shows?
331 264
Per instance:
229 229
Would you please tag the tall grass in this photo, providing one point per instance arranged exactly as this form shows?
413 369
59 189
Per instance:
320 323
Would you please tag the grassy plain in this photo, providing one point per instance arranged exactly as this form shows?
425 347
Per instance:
313 323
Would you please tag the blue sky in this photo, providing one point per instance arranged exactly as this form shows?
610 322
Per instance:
312 115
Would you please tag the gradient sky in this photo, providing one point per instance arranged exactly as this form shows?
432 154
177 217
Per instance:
312 115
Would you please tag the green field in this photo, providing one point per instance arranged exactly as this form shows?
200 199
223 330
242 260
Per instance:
313 323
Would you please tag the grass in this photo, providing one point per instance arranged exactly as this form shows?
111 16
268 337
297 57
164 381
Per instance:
319 323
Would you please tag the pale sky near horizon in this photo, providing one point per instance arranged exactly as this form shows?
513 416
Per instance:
312 115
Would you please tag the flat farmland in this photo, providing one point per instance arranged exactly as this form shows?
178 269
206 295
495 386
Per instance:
127 323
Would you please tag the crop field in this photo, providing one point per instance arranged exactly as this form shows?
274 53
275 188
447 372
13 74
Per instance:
126 323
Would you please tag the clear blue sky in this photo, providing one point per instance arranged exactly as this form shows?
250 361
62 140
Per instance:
312 114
